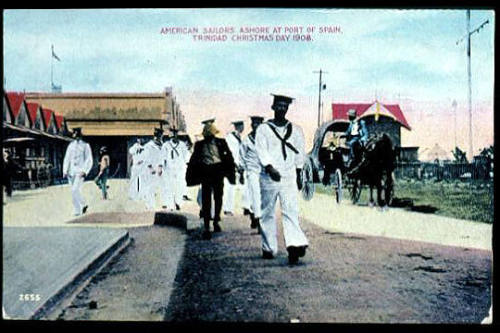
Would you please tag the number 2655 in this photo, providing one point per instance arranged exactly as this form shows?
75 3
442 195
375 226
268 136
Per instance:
29 297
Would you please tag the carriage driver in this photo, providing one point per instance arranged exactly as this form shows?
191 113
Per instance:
356 133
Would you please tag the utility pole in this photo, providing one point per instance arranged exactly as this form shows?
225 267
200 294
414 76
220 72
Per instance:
469 79
321 87
454 105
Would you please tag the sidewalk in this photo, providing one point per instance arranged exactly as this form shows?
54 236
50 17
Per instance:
43 265
396 223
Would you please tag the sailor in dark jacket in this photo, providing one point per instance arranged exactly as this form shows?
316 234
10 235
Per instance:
210 163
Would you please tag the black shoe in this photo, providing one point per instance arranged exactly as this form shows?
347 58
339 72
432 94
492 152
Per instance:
206 235
293 254
217 227
246 211
302 250
228 213
267 255
185 197
255 223
177 207
201 214
84 209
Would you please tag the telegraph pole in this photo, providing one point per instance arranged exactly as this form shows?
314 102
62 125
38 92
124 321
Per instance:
321 87
454 105
469 76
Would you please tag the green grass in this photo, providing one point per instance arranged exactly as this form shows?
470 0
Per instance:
463 200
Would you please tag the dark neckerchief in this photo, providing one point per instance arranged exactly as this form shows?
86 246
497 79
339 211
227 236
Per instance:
284 142
236 136
174 148
251 137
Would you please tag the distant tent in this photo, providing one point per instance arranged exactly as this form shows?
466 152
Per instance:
435 153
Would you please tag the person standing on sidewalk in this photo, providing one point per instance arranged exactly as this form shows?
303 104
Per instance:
153 161
102 177
175 153
210 163
234 140
76 166
136 170
280 147
252 167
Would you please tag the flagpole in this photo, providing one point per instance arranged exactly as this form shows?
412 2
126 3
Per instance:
52 69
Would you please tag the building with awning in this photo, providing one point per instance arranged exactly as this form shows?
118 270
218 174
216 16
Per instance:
114 120
30 133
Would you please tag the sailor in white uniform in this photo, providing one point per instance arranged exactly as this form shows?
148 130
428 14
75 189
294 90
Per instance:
234 140
76 165
136 171
280 147
175 153
153 164
252 166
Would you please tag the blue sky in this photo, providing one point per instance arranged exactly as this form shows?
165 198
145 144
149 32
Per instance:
399 56
410 53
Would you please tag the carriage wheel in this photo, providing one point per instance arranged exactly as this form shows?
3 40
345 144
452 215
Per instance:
356 191
308 181
337 185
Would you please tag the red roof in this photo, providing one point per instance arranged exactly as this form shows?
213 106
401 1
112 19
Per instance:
59 120
32 110
15 100
339 111
47 113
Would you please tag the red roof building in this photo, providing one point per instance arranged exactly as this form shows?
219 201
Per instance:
386 118
60 124
15 101
17 107
340 110
49 120
35 112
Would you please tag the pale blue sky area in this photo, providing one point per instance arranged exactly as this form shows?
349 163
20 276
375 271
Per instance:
410 53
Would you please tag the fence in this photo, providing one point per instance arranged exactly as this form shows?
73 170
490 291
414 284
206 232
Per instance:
440 171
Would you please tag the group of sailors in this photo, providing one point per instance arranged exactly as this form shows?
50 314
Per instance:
159 169
267 165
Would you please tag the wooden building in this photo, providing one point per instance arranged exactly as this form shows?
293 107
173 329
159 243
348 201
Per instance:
114 120
379 118
32 135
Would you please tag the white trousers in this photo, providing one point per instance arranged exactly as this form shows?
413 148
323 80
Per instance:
76 182
228 200
229 193
172 188
135 183
253 193
152 185
184 184
286 191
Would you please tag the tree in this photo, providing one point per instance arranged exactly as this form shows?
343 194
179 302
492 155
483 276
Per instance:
459 155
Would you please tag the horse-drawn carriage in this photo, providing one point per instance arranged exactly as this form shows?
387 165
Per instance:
328 161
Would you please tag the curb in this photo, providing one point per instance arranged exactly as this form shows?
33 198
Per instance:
80 280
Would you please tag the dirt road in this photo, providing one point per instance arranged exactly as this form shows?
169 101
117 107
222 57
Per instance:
344 277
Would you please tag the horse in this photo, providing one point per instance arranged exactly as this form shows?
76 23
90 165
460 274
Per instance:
377 162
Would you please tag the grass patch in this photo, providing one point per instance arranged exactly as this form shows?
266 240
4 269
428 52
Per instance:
464 200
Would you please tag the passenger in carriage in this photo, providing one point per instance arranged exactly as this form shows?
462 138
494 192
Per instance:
356 135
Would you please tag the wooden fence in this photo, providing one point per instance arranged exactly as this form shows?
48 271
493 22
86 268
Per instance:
440 171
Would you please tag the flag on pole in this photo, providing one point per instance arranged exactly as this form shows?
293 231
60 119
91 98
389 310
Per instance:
54 55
